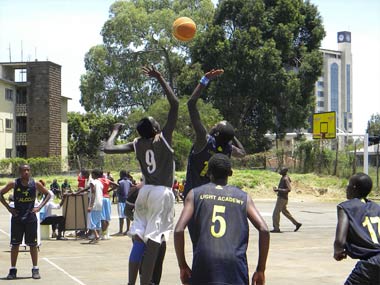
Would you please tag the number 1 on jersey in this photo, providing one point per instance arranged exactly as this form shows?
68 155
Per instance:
368 222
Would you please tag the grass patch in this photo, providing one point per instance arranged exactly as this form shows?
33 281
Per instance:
258 183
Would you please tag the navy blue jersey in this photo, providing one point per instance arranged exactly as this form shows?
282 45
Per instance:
220 235
123 190
363 238
197 164
24 198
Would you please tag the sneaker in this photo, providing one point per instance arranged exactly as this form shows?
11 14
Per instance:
61 238
12 274
298 227
275 231
36 273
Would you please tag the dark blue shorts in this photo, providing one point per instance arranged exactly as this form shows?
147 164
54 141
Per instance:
366 272
19 229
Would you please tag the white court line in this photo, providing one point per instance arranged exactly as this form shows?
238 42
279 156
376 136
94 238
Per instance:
4 232
61 269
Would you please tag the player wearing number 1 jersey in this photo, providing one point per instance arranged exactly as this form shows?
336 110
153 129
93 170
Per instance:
220 231
358 232
220 139
154 206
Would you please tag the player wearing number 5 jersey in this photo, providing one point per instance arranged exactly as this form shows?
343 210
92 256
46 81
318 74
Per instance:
358 232
154 206
220 238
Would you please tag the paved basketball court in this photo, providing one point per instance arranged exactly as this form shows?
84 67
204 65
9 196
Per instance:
304 257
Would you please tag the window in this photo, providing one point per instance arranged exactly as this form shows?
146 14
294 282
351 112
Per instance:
8 94
20 75
8 153
21 96
8 124
21 124
350 125
321 104
321 94
334 69
348 87
321 84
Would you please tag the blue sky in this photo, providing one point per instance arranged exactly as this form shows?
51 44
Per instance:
62 31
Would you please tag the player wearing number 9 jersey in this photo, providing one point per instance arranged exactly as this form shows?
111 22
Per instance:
154 206
220 238
358 232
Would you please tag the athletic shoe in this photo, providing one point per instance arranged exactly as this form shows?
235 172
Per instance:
275 231
298 227
36 273
12 274
61 238
93 241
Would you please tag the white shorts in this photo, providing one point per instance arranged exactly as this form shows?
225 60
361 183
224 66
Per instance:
154 213
121 210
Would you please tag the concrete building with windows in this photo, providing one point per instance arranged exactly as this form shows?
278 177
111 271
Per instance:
333 90
33 113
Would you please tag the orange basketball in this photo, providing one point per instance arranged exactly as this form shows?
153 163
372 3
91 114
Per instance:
184 29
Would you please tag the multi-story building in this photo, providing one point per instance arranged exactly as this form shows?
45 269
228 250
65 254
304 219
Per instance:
33 113
333 90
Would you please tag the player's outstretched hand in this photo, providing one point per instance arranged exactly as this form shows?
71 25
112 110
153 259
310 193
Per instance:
214 73
118 126
258 278
184 275
151 71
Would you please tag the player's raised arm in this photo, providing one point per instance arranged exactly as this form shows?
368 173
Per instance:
237 148
258 222
173 102
110 146
195 118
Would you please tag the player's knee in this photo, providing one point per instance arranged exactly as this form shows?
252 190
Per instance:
137 251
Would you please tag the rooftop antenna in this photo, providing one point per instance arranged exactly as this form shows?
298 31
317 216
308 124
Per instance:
22 51
10 53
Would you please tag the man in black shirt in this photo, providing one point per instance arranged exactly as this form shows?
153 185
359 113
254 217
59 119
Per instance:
358 232
24 220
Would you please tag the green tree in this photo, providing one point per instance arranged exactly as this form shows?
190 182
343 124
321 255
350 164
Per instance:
373 127
138 33
86 131
270 53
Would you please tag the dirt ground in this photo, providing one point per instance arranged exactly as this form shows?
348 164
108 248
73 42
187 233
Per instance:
304 257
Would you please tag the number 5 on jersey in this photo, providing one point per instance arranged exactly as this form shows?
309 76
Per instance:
218 217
